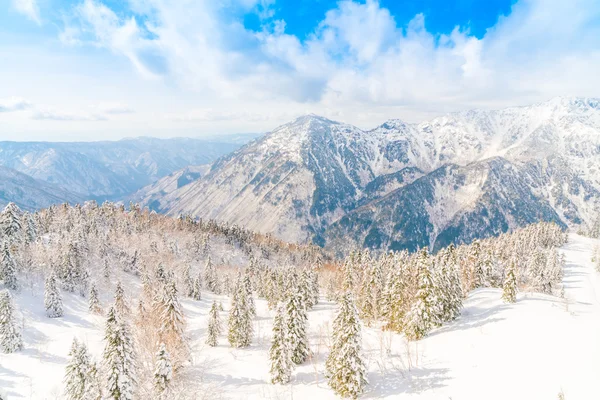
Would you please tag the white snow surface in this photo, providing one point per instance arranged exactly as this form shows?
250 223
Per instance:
532 349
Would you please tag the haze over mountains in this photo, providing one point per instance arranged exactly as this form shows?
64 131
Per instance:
460 176
107 170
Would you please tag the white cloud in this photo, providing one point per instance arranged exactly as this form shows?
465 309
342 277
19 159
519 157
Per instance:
14 104
115 108
192 67
29 8
59 115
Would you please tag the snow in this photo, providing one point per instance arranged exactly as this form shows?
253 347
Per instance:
531 349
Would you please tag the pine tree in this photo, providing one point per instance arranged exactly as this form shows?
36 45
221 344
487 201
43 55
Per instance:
8 269
93 389
509 289
240 328
10 337
119 358
197 288
297 320
211 279
163 372
172 330
77 377
214 326
280 353
94 303
249 298
422 316
10 222
188 282
52 298
29 227
396 298
345 366
121 305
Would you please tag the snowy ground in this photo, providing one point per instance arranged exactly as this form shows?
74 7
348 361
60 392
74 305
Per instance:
529 350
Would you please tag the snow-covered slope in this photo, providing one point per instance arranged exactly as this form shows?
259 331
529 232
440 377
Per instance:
533 349
311 173
108 169
31 194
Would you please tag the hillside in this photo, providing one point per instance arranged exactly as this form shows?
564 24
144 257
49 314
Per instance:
462 359
31 194
325 181
108 169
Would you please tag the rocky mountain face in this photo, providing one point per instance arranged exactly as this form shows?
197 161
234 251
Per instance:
31 194
108 169
452 179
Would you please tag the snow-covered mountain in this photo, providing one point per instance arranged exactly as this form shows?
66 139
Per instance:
108 169
31 194
401 185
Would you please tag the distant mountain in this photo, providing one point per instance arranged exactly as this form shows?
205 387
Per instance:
451 179
108 169
150 195
31 194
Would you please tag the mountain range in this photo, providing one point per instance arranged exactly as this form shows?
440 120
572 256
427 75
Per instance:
403 186
107 170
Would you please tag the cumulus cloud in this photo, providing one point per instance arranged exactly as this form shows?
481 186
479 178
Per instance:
357 58
14 104
29 8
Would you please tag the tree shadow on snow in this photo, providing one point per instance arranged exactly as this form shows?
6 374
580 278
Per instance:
416 380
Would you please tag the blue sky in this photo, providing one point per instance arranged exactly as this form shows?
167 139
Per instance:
106 69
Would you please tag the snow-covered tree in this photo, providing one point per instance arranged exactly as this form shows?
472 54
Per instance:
119 358
423 314
214 326
509 289
52 298
8 268
163 372
280 353
297 320
10 222
93 388
345 366
121 305
197 288
172 330
10 337
77 376
240 327
30 230
94 302
249 293
188 282
211 280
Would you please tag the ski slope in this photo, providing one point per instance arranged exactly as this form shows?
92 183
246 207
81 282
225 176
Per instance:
532 349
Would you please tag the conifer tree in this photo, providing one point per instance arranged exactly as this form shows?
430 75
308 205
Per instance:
214 326
249 297
509 289
52 298
119 358
163 372
121 305
77 376
173 322
297 320
94 303
395 298
188 282
10 337
211 280
240 328
8 269
280 353
197 288
422 316
93 389
10 222
29 228
345 366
